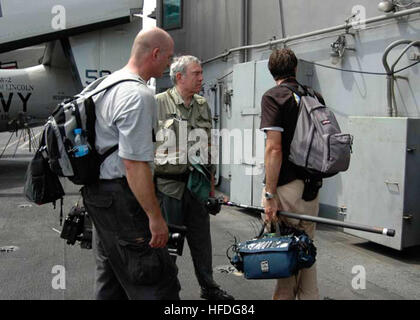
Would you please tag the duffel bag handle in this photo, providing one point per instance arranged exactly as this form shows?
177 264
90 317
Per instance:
264 226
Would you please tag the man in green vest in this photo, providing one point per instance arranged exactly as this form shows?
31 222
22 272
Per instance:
184 174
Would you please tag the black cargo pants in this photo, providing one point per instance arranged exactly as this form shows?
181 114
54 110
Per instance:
126 266
190 212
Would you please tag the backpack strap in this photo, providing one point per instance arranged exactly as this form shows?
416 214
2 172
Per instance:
300 93
92 86
91 116
306 91
311 92
110 151
97 91
291 89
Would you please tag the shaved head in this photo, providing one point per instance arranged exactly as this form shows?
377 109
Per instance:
147 40
151 53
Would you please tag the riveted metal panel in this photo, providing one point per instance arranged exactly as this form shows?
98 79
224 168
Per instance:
376 185
242 100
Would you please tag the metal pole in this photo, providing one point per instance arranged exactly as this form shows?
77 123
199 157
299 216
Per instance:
282 23
345 26
394 104
390 76
245 28
379 230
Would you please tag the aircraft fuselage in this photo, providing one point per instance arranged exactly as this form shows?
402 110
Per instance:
33 92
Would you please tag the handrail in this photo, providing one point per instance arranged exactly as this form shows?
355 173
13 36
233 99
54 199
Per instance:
345 26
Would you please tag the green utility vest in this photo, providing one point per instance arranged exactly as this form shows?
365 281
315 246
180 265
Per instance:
174 171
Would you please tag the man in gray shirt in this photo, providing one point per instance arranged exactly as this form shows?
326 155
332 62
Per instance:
130 235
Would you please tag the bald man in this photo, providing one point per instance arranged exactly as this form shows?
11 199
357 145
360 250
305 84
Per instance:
130 234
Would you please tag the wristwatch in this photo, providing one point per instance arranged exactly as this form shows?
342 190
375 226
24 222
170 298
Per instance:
268 195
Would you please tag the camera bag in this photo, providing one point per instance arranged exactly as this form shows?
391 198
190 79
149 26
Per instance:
273 255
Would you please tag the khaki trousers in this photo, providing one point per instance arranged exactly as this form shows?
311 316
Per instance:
304 285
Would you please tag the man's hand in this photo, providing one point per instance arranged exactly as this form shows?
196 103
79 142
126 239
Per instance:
271 207
160 233
139 177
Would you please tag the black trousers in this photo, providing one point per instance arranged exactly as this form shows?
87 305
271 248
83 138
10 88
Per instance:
126 266
190 212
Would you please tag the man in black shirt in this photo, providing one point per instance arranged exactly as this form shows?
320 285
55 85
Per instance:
284 183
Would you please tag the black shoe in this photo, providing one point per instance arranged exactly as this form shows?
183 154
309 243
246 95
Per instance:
215 294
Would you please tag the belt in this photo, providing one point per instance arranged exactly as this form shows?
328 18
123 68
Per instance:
122 180
183 177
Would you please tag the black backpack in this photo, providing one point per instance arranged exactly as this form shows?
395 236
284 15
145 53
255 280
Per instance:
55 156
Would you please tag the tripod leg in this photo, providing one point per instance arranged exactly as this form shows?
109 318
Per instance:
7 144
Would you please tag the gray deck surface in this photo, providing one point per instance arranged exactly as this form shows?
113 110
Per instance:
27 272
